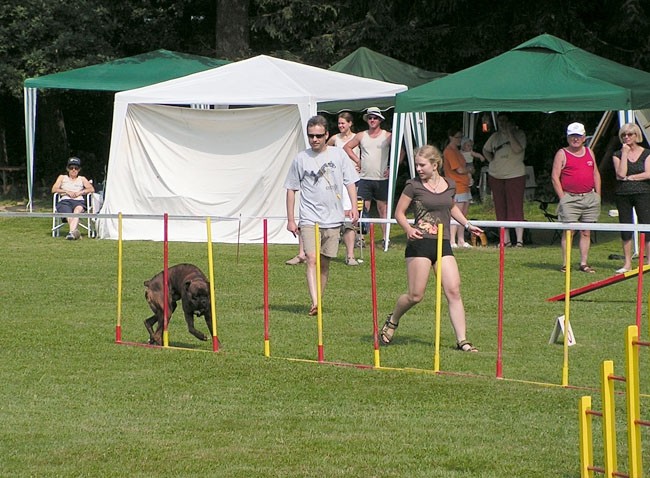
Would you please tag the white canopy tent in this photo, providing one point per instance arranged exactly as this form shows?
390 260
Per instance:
224 163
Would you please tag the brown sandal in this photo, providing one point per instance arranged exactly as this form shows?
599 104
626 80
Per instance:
384 338
466 346
586 268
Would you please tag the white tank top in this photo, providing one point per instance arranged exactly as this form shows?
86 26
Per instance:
374 156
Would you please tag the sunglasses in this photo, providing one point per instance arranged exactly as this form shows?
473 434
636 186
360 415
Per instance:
627 134
73 168
314 136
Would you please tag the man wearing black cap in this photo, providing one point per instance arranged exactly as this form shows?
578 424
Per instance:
72 189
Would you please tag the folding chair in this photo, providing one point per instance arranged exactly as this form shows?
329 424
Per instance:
87 223
543 205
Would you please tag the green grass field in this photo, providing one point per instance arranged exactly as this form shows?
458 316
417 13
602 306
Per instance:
74 403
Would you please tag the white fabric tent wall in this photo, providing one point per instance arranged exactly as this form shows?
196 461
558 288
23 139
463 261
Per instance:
409 130
258 81
211 166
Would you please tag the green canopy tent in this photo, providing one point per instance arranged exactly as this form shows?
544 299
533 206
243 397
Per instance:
367 63
118 75
543 74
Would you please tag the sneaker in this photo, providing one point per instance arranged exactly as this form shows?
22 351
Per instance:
351 261
454 246
76 234
295 261
467 245
70 236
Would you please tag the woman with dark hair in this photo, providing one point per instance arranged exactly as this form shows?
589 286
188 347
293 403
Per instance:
505 151
72 189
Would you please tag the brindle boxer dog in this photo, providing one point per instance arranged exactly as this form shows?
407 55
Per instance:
187 283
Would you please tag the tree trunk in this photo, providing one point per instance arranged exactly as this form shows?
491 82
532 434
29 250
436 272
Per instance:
232 32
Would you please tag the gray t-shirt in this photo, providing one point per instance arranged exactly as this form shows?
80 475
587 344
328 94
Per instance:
321 179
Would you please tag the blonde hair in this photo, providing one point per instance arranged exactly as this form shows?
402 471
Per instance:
431 154
631 128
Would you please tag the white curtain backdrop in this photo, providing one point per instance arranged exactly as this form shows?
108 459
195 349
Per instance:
218 163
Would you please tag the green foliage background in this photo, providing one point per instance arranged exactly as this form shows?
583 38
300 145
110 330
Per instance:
38 38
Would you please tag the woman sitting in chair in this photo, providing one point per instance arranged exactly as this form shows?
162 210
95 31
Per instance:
72 190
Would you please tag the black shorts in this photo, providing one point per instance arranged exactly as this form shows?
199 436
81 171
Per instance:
427 248
371 190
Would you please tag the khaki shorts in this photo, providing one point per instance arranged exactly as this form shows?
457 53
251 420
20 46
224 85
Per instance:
579 207
329 240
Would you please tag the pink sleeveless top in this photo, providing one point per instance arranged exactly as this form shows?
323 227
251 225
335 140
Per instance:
578 174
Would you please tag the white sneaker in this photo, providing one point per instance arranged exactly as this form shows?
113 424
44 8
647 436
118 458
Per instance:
467 245
454 246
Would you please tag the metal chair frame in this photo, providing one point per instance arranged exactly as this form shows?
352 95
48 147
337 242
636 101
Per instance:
87 223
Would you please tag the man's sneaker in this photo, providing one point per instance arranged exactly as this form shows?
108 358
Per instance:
351 261
70 236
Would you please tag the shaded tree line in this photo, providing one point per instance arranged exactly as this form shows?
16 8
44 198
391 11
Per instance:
38 38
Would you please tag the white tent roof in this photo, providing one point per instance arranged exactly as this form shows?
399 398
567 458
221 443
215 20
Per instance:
262 80
157 154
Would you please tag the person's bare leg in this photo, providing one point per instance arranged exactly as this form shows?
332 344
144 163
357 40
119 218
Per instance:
459 230
519 233
417 276
627 254
563 244
349 236
311 276
382 208
585 243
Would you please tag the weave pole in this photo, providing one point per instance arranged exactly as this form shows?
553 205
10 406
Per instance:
118 327
436 340
165 281
634 422
567 308
373 282
213 307
502 255
639 287
267 343
319 296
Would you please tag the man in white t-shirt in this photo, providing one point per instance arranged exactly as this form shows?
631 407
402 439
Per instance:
322 175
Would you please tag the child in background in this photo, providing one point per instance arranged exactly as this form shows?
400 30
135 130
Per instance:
467 149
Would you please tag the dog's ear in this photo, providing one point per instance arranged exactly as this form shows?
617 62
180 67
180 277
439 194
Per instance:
186 284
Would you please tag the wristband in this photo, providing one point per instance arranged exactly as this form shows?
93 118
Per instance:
468 225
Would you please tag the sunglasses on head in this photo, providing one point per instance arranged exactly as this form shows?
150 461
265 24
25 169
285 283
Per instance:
314 136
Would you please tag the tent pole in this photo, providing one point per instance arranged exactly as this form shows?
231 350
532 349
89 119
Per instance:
29 103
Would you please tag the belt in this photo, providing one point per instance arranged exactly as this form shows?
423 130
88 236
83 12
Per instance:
580 194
